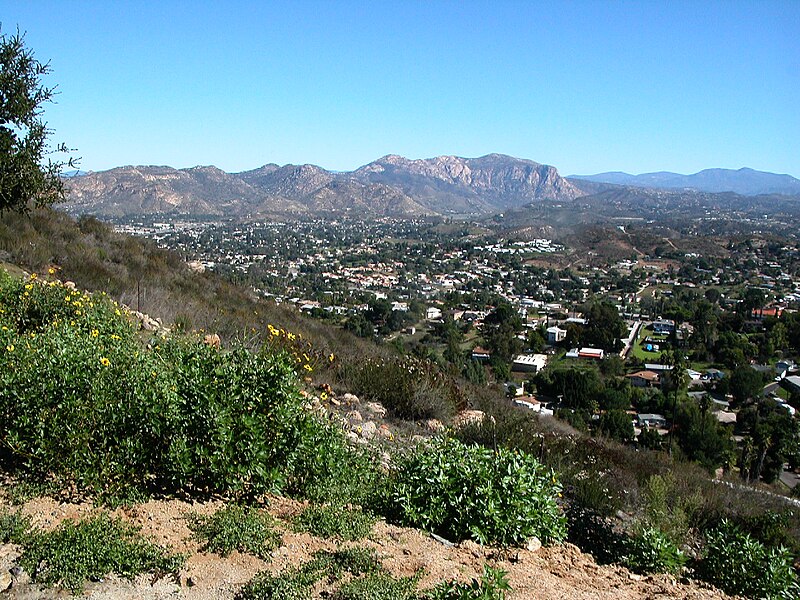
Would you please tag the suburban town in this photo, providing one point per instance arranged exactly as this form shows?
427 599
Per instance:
516 311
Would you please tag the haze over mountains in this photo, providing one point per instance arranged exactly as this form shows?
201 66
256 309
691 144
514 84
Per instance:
389 186
747 182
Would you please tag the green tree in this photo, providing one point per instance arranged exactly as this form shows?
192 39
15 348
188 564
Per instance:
25 179
617 425
746 384
500 333
604 327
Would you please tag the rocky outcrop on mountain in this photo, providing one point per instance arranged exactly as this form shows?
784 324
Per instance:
450 184
390 186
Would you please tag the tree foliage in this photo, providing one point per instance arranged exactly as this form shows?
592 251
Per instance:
26 180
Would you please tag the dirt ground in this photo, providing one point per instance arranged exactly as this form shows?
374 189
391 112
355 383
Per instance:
561 572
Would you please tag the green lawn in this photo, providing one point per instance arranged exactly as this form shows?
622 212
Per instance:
639 352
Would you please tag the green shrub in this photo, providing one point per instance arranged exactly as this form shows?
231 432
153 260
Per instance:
83 400
493 585
651 551
410 388
354 560
14 528
235 527
296 583
91 549
739 564
335 521
462 492
378 586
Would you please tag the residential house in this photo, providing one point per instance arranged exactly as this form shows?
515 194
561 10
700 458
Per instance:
594 353
529 363
481 354
651 420
555 334
644 379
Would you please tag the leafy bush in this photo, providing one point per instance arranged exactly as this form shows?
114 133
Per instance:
596 535
245 529
461 492
739 564
651 551
91 549
296 583
288 585
334 521
83 400
410 388
493 585
14 528
378 586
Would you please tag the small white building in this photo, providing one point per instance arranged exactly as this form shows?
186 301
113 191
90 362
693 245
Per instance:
529 363
555 334
433 313
595 353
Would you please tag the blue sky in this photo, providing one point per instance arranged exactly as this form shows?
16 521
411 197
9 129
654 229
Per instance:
585 86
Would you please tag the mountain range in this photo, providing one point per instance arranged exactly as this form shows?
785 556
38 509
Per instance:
390 186
747 182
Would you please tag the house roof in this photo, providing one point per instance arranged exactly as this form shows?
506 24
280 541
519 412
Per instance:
648 375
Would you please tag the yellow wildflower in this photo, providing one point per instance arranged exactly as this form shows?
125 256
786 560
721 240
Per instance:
94 333
51 271
308 368
10 347
331 357
323 396
34 275
104 361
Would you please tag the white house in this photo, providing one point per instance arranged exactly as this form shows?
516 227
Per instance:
555 334
433 313
529 363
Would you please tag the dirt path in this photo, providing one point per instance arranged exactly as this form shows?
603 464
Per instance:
561 572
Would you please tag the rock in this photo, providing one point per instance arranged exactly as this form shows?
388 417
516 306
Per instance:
386 461
468 417
376 408
533 544
212 340
5 581
350 399
20 575
368 430
434 425
354 416
352 436
442 541
70 285
385 432
634 577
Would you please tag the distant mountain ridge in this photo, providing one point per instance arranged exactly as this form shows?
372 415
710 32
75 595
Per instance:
389 186
744 181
